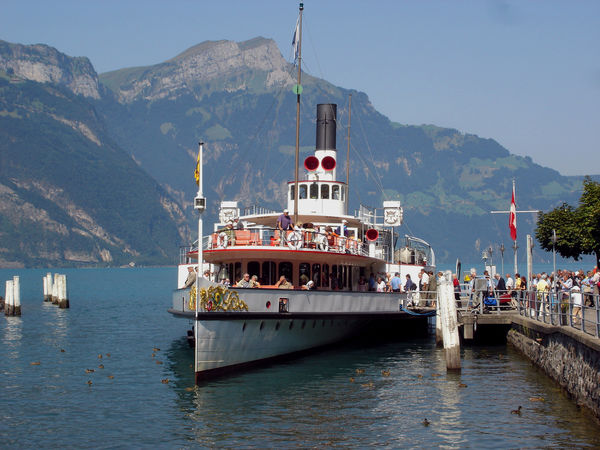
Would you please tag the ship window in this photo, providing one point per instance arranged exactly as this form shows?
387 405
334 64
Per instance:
238 273
314 190
333 277
335 192
253 268
303 273
350 270
302 191
325 275
325 191
316 277
268 275
292 190
343 193
285 268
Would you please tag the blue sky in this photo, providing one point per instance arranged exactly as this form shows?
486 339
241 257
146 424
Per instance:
525 73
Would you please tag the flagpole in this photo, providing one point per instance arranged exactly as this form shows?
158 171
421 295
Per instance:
200 205
298 91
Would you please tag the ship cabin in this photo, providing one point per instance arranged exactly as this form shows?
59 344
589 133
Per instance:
335 250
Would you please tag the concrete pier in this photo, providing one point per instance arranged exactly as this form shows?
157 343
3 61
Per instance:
63 298
568 356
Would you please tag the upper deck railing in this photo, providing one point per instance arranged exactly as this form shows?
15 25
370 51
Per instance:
303 239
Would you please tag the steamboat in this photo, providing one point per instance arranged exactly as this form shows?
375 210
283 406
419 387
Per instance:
266 285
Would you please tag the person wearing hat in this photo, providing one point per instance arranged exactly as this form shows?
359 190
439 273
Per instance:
284 223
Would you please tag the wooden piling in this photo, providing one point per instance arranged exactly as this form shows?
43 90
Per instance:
63 298
55 290
449 322
439 338
16 296
9 308
48 287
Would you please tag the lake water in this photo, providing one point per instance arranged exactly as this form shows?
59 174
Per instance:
306 402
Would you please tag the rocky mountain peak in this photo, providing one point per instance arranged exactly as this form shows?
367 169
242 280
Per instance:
223 61
45 64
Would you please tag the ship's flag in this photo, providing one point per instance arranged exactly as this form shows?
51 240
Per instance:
197 170
512 217
296 39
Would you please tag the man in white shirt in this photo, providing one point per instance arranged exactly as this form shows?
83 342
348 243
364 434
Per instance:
510 283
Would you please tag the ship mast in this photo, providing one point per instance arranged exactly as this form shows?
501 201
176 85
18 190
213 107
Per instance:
348 153
298 91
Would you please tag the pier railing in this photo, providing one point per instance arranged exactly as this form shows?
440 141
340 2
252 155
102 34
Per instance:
566 308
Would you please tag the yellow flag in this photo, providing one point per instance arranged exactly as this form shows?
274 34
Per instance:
197 170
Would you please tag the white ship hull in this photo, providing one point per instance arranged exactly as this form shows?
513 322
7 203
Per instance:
226 340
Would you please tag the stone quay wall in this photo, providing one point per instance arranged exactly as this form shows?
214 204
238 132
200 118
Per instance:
568 356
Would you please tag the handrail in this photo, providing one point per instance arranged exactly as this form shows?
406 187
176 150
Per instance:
309 239
573 308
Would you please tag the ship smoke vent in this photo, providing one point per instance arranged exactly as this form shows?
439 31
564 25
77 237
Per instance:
326 125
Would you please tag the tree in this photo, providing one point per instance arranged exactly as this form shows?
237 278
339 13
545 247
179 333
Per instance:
577 229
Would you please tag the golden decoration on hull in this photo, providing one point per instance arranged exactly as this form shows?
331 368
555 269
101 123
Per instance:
217 298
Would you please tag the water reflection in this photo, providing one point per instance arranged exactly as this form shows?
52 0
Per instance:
340 397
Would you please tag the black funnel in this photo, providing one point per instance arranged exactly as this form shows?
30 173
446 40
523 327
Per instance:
326 121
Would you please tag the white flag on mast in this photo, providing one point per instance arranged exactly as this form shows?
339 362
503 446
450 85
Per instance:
296 39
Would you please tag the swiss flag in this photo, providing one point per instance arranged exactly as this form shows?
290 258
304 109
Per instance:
512 217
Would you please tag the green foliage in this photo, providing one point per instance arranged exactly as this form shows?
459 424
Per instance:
577 229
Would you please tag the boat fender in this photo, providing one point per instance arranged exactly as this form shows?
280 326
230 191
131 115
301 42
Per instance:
294 240
222 240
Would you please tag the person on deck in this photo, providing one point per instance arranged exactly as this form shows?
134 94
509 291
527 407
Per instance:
191 278
284 224
244 282
254 281
396 283
283 283
380 285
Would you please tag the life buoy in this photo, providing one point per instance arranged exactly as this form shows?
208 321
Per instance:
322 243
222 240
294 240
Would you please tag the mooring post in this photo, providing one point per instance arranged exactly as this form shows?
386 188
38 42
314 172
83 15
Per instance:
55 289
63 301
449 321
48 287
8 295
16 296
439 338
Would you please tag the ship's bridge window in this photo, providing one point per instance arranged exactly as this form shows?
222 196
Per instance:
302 191
335 192
292 191
314 190
325 191
343 193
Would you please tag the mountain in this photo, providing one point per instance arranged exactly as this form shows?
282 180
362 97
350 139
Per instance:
237 98
99 169
68 194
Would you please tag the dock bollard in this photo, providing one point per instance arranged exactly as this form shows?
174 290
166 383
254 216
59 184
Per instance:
48 287
449 322
9 308
63 298
16 296
55 290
